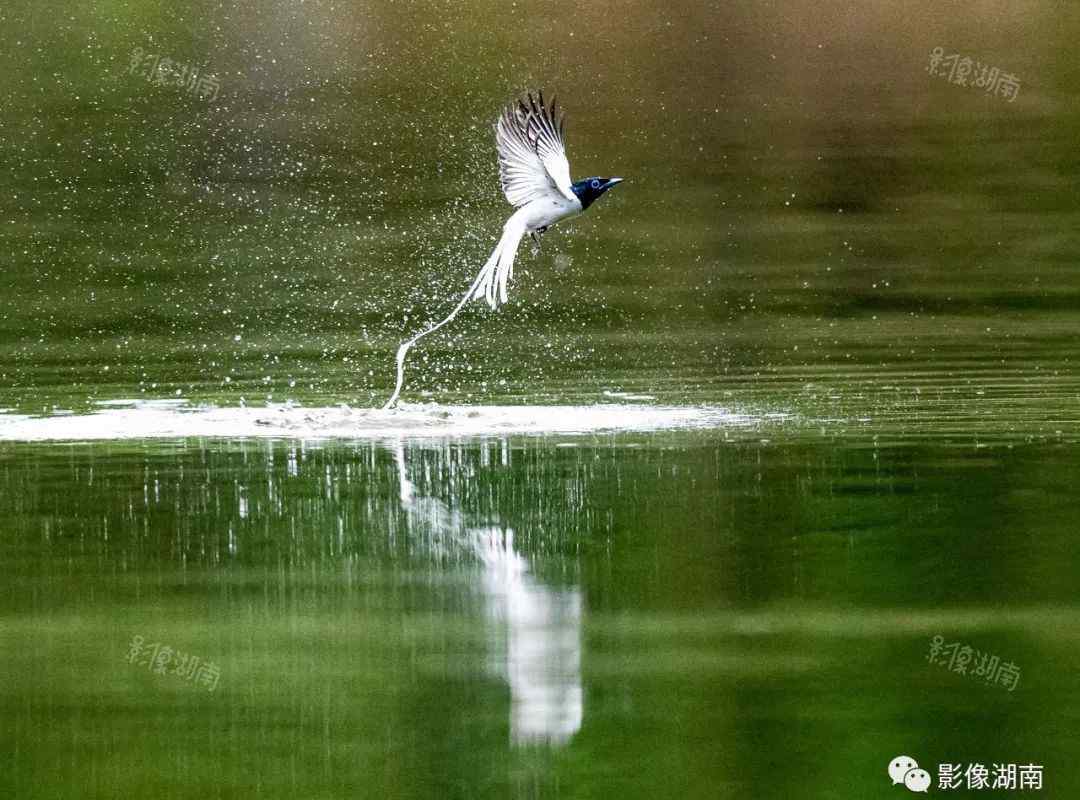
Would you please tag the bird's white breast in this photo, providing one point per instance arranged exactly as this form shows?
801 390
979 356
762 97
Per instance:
545 211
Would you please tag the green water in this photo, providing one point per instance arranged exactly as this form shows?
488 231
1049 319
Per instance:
874 266
749 619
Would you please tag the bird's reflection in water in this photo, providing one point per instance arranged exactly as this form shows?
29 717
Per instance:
537 628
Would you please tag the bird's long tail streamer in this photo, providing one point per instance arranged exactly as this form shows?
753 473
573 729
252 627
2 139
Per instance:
492 264
497 273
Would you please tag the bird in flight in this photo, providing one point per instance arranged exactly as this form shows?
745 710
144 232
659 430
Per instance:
535 177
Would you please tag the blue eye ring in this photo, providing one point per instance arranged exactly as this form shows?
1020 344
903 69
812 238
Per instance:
594 183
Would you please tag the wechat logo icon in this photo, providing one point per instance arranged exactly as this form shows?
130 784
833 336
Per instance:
905 770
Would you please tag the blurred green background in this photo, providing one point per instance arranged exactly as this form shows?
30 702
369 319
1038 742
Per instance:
813 225
804 199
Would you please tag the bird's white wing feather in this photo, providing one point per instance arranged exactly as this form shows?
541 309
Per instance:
532 153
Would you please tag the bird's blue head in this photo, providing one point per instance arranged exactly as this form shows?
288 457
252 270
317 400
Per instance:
590 189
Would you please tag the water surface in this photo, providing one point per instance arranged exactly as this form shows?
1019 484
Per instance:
684 519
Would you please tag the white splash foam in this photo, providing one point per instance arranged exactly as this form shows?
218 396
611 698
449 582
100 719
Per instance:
627 395
175 419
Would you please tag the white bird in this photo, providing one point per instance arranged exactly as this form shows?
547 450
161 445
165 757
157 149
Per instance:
535 177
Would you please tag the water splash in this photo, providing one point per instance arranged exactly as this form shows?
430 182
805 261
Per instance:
178 419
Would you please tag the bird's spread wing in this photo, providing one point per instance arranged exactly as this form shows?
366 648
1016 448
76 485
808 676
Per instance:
532 154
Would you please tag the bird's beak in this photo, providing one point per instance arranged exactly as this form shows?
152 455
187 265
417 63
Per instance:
611 182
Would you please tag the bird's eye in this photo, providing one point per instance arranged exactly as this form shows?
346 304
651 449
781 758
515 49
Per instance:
595 184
